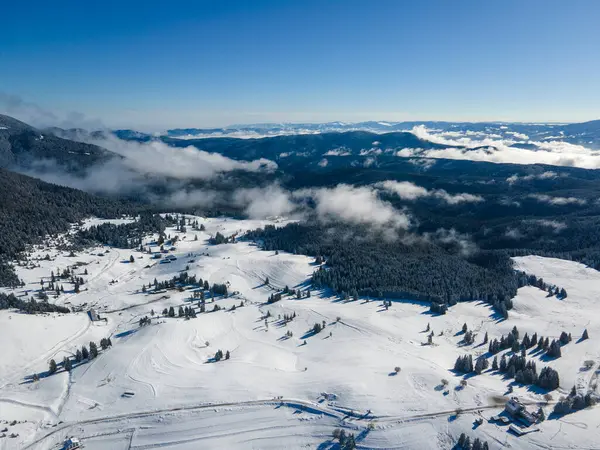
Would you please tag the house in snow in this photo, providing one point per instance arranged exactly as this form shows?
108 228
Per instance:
71 444
518 410
95 317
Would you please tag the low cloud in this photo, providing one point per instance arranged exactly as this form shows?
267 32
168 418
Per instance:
271 201
423 163
158 158
554 225
557 201
513 233
338 152
461 242
548 175
357 205
369 161
410 191
138 164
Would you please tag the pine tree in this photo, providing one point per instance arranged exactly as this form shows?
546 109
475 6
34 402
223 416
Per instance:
495 363
93 350
78 356
67 364
541 415
515 346
51 367
534 340
511 372
227 355
464 328
84 352
485 338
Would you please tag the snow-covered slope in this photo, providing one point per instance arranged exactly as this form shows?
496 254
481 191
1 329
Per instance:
270 393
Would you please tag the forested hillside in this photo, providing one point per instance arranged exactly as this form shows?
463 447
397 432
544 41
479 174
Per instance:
364 264
31 209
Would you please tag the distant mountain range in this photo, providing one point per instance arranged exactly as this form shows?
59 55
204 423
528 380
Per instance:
578 133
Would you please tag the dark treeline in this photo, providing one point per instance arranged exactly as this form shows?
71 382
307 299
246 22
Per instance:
127 235
31 209
29 306
359 262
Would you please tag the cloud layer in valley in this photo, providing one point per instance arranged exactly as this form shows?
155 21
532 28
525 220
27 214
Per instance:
491 148
138 164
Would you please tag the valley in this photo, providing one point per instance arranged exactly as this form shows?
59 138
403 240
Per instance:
158 385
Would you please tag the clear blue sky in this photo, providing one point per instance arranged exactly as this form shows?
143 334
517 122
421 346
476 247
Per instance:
207 63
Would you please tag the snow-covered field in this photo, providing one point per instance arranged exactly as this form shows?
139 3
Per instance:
269 394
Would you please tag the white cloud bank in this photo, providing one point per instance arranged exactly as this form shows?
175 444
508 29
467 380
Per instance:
140 162
490 149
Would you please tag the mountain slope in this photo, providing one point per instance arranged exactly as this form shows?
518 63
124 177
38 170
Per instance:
22 145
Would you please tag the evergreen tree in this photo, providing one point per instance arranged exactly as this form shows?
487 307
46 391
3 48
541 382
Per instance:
67 364
84 352
541 415
52 367
93 350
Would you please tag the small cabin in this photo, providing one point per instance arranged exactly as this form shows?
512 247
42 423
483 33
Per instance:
71 444
93 315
